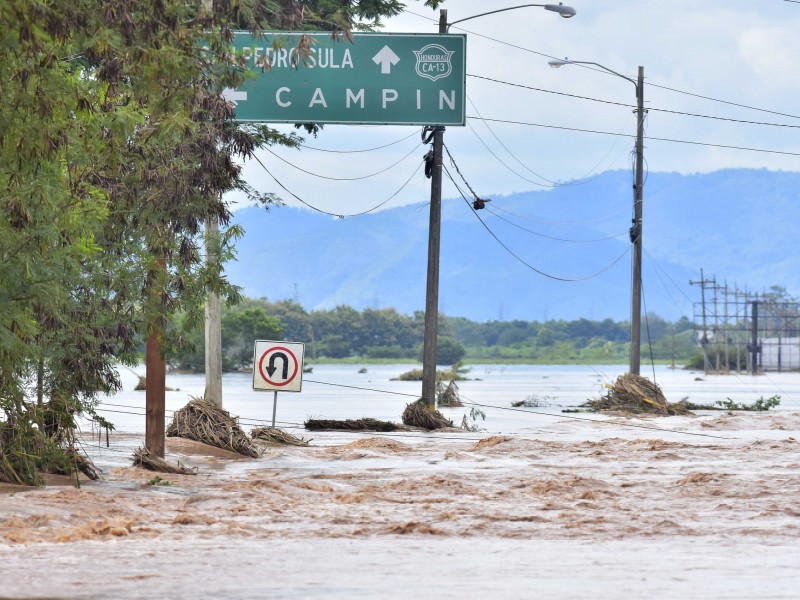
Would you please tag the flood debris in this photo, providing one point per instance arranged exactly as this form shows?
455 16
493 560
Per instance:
275 435
636 395
760 405
203 421
448 396
142 457
352 425
417 414
83 464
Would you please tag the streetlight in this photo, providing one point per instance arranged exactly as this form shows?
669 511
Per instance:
565 11
434 227
636 228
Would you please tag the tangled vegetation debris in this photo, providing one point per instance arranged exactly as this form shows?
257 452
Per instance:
762 404
352 425
637 395
275 435
448 396
142 457
534 401
458 372
417 414
203 421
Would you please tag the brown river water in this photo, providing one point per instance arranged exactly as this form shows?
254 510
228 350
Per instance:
537 504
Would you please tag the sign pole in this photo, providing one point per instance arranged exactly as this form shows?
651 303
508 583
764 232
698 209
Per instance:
274 407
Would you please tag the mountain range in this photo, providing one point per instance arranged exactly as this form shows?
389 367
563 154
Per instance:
556 253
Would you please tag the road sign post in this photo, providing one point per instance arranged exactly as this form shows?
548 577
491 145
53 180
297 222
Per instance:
278 367
377 78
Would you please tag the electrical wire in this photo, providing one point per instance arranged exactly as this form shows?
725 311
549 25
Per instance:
325 212
557 239
574 418
664 110
549 181
353 387
468 401
647 328
302 170
518 258
656 268
403 139
601 71
548 222
579 181
502 162
656 139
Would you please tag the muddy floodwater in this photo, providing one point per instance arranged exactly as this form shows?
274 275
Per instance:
537 503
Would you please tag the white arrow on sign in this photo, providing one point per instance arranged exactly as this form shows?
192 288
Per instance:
232 96
386 58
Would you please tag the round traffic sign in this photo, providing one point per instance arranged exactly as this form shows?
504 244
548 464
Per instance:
278 366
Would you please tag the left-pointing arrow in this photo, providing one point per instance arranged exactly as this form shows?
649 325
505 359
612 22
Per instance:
234 97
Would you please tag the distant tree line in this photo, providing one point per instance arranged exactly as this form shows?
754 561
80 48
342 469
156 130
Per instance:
375 334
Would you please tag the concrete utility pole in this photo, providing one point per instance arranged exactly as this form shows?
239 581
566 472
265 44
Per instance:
213 361
432 293
434 237
636 232
636 227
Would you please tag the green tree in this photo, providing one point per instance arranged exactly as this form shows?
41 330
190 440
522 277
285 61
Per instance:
115 147
240 328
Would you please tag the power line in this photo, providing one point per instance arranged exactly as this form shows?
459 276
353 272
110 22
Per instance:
764 110
574 418
590 68
353 387
664 110
655 139
414 149
659 267
602 239
502 162
341 216
403 139
554 184
518 258
546 222
579 181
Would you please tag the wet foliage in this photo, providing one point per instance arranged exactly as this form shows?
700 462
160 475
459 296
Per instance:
116 145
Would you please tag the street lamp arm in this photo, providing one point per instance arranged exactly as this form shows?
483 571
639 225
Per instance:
558 63
564 11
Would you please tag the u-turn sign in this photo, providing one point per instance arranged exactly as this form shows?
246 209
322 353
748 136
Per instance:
278 366
377 78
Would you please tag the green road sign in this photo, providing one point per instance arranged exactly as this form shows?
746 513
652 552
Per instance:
394 79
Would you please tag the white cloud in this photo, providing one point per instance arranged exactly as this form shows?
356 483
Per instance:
772 53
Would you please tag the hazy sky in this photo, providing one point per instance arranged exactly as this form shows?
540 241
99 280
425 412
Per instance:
742 52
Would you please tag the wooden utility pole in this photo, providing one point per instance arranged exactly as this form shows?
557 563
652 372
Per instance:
155 387
636 232
213 338
434 238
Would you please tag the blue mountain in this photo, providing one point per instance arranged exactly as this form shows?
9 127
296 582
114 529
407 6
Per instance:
561 253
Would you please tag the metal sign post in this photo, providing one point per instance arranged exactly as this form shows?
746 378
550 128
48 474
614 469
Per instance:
278 366
377 78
